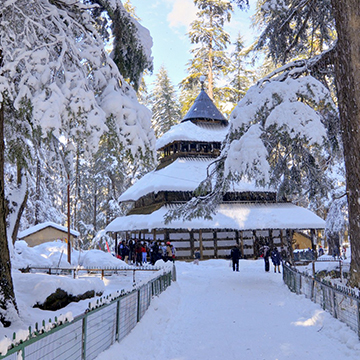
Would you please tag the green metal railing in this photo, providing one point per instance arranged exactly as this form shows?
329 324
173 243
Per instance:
108 320
340 301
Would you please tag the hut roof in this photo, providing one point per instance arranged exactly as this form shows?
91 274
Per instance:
237 216
204 109
38 227
184 174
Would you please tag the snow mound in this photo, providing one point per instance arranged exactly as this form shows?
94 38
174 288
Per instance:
37 287
101 259
25 256
52 253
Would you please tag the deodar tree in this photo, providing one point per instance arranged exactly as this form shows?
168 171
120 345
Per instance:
347 75
55 73
328 29
209 57
164 104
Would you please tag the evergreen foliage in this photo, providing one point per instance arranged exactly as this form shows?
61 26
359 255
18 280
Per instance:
118 26
240 77
295 28
209 56
164 104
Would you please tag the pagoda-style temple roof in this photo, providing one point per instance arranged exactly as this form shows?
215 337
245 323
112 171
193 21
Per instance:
188 131
240 216
204 109
183 175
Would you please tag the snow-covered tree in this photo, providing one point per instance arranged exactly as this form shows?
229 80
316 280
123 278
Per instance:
336 223
55 73
283 135
295 28
164 104
325 28
130 41
210 39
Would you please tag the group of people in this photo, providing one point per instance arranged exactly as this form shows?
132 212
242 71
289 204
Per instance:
139 252
267 253
275 256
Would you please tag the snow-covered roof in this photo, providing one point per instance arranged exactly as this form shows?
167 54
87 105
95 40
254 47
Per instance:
240 216
184 174
188 131
38 227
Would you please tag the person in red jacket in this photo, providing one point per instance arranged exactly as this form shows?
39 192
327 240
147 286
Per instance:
144 253
138 253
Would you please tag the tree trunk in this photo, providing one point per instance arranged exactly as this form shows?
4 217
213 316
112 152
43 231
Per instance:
19 209
211 75
18 217
37 192
347 73
95 205
8 307
77 188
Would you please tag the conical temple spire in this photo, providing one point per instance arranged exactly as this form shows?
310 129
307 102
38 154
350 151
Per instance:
204 109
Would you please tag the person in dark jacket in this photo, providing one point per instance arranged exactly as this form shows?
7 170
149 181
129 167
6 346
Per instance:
131 250
276 259
125 252
266 255
235 256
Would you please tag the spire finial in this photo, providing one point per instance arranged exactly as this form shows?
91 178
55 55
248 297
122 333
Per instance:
202 80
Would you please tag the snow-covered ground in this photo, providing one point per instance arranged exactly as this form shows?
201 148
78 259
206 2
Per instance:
33 288
214 313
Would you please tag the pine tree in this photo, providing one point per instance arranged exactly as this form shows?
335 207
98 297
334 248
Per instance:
295 29
240 76
165 107
209 56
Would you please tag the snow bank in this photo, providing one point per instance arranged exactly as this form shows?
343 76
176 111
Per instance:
101 259
37 287
54 254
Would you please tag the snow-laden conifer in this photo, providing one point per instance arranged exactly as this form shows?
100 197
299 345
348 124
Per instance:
56 77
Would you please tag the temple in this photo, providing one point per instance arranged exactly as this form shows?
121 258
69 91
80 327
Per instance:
248 216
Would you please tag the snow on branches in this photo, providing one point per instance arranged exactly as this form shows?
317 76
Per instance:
279 135
54 66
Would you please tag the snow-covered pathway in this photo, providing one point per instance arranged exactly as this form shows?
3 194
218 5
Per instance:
214 313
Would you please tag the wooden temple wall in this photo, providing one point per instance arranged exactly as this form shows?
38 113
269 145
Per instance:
215 243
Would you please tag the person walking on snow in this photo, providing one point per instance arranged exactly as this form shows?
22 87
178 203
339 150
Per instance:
144 252
235 256
168 252
276 259
266 254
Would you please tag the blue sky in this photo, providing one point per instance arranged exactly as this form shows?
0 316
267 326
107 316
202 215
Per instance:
168 22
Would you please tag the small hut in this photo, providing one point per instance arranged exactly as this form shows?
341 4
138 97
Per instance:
248 216
46 232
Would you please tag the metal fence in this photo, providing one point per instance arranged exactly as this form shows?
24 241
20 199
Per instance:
341 302
89 334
